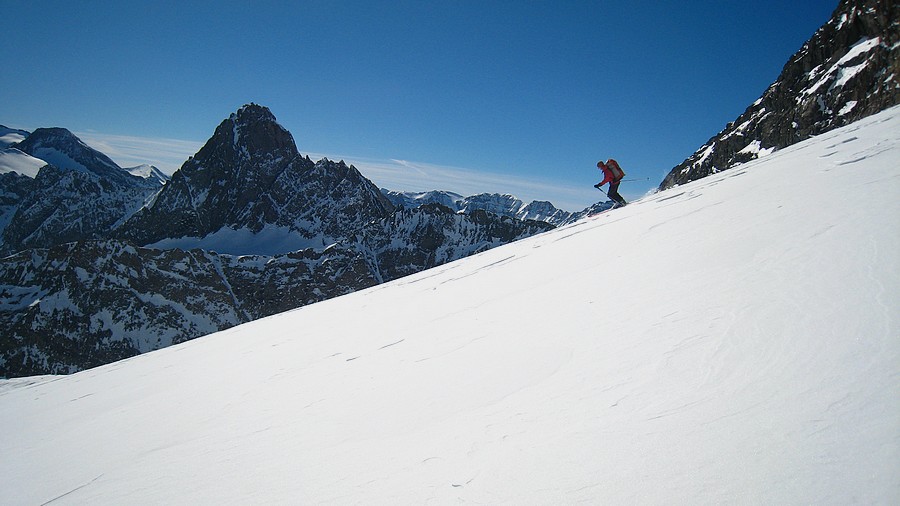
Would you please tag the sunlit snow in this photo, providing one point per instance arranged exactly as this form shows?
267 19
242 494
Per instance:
839 70
756 148
733 340
13 160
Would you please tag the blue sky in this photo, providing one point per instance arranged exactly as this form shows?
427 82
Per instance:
517 97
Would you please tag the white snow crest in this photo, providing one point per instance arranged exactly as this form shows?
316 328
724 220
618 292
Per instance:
8 136
13 160
756 148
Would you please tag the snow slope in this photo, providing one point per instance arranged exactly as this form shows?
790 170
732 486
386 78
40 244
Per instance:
10 136
732 340
13 160
149 172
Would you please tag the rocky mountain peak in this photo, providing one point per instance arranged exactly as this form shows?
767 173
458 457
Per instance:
81 194
249 176
847 70
249 135
256 129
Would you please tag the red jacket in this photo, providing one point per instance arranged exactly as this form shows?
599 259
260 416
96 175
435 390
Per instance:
611 172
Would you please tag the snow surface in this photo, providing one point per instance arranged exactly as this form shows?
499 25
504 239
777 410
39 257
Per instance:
147 171
756 148
13 160
8 136
271 240
59 159
732 340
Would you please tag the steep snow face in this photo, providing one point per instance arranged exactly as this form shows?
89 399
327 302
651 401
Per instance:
13 160
733 340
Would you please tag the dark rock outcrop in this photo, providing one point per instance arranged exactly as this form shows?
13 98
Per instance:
848 70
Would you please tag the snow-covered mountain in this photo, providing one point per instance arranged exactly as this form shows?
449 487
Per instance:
80 305
412 200
250 177
77 193
494 203
249 192
10 136
849 69
247 228
14 160
148 172
64 150
430 235
729 341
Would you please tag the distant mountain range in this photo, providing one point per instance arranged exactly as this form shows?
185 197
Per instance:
106 262
77 193
501 205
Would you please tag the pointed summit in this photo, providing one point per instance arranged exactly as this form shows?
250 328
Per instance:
248 177
222 185
256 128
251 133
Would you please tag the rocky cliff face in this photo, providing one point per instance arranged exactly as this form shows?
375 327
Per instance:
848 70
14 188
250 176
83 304
79 305
415 239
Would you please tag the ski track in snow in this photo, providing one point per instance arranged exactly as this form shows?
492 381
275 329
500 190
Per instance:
731 340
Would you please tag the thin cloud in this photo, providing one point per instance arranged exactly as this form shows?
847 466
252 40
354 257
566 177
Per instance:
394 174
166 154
405 175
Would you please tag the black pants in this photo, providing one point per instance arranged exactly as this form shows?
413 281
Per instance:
613 193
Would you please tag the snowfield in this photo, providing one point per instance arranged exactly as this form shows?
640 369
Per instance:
732 340
13 160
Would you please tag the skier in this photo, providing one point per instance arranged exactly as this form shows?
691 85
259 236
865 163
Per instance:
613 175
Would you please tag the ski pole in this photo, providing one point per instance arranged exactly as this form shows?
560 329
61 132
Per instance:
631 180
